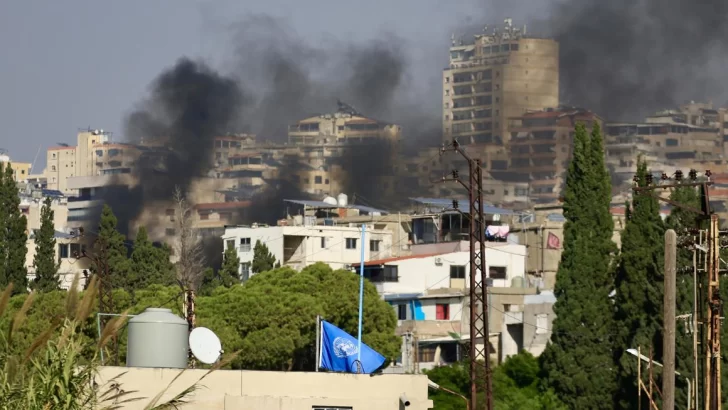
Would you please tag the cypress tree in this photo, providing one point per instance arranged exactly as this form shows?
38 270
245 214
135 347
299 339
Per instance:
680 220
577 363
149 265
4 194
229 271
14 235
46 266
110 250
639 290
263 259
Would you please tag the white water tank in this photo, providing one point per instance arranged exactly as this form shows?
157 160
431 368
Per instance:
4 158
330 200
343 200
157 338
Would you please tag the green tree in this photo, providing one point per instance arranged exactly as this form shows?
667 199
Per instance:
45 263
272 319
110 251
577 364
226 276
639 289
13 235
516 386
681 219
263 259
148 265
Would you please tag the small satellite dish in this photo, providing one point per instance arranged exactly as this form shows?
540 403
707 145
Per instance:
205 345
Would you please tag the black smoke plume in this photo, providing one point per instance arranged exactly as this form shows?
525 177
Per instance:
627 58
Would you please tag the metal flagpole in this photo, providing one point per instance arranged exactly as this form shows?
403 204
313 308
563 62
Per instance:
361 289
318 342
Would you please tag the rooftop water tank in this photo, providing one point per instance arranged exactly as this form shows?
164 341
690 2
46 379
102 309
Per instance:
518 282
157 338
343 200
330 200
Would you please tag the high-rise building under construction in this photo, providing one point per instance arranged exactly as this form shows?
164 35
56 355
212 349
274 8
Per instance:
492 78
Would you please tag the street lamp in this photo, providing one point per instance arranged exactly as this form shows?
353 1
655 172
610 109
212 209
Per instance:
646 359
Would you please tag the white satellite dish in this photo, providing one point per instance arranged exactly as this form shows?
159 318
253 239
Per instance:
205 345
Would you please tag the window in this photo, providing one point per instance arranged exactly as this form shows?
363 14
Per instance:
77 250
230 244
244 271
457 272
245 244
442 311
426 353
374 246
323 242
63 251
53 167
497 272
169 231
317 179
204 217
391 274
350 243
402 312
542 324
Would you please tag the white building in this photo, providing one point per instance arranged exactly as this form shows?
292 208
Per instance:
69 249
302 245
420 273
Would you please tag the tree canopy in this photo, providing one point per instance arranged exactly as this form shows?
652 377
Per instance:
148 264
639 288
577 363
263 258
272 318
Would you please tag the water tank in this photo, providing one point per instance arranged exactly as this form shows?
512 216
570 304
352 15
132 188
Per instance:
157 338
343 200
330 200
4 158
518 282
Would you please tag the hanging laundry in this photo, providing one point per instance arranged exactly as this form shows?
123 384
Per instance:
491 231
503 231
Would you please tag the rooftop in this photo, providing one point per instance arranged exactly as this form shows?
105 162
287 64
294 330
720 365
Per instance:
386 261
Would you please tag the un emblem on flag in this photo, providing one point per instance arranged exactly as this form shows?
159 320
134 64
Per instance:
344 347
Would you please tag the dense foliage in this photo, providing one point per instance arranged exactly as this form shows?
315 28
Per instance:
639 289
516 386
577 364
263 259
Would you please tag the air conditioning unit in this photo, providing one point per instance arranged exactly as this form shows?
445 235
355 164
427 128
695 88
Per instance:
438 261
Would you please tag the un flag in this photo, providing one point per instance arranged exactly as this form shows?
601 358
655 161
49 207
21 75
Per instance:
340 352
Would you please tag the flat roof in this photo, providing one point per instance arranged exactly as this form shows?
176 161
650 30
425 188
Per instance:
463 206
326 205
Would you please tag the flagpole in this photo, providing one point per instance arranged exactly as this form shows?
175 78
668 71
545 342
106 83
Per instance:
361 289
318 342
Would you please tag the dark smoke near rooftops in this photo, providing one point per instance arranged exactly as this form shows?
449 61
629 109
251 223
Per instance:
625 59
273 81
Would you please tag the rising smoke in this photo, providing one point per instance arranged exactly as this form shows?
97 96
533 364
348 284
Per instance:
274 80
627 58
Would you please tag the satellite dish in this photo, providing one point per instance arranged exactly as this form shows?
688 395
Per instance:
205 345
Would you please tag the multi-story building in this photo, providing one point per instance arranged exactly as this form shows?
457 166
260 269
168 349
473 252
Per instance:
541 146
493 78
21 170
311 237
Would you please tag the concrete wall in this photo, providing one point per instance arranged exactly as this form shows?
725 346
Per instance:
256 390
301 246
433 272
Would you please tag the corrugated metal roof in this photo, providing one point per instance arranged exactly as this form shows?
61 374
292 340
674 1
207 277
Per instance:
322 204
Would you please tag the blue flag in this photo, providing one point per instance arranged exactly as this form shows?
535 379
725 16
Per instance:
340 352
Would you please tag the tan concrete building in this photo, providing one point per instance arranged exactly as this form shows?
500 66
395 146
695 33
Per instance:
60 165
234 389
493 78
21 170
541 146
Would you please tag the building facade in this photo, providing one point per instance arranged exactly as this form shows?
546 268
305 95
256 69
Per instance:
493 78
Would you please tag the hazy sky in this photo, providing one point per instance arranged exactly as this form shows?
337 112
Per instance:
72 64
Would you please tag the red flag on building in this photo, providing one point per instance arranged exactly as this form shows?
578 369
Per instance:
553 242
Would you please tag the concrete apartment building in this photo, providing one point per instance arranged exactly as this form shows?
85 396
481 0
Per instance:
21 170
541 146
493 78
304 239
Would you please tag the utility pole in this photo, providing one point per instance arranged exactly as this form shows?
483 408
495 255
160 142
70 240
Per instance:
480 375
713 302
668 341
